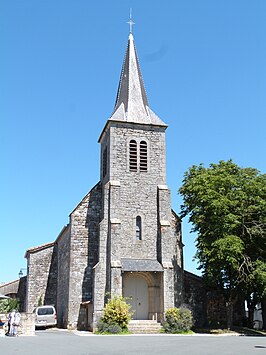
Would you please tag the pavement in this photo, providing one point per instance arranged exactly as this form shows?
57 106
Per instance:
63 342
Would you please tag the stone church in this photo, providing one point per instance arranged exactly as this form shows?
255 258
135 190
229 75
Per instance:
123 238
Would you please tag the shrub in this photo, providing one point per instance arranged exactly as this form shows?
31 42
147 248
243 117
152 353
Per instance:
102 327
116 316
178 320
112 328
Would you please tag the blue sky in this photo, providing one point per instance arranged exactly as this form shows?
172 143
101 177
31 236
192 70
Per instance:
203 64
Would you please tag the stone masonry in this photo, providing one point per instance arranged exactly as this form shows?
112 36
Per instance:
42 276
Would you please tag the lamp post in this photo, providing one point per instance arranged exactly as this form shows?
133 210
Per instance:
20 274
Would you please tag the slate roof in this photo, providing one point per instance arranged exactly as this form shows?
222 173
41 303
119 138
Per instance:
38 248
131 102
141 265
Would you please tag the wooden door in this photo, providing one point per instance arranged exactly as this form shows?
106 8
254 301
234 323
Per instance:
135 288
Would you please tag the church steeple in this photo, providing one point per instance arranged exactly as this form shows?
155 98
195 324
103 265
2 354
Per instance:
131 102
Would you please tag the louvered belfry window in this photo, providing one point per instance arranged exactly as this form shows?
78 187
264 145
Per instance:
133 156
143 156
138 156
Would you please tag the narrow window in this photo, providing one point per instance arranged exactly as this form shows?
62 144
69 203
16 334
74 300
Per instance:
133 155
138 228
104 162
143 156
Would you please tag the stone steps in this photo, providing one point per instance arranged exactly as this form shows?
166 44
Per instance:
144 326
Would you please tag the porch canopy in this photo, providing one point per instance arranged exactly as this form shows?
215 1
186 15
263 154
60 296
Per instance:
141 265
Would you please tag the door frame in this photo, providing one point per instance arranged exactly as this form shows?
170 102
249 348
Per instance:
155 291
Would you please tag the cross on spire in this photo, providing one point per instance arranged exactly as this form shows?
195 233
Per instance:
131 23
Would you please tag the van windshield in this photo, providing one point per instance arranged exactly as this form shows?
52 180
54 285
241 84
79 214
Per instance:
45 311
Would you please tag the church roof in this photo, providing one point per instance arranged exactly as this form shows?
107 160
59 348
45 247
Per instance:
140 265
131 102
39 248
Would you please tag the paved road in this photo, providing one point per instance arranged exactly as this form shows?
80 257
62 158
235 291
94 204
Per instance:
66 343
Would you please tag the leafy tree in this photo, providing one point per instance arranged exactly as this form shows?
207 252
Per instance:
8 304
226 205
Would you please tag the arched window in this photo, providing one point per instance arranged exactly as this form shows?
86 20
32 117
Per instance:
143 160
138 228
133 154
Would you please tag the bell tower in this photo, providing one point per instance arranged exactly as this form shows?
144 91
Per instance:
139 235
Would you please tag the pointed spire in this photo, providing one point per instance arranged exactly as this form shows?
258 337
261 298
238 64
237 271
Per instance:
131 102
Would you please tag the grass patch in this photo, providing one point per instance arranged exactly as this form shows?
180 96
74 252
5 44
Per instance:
183 332
124 332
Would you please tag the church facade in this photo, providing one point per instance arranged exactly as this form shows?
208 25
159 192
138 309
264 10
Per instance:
123 238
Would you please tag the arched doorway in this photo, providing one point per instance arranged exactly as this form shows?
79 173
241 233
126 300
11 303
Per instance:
135 288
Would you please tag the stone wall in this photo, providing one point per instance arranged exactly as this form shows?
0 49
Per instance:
195 298
42 276
63 247
207 304
84 244
27 324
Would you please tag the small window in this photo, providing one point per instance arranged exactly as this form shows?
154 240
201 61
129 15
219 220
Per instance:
104 161
143 160
138 228
133 153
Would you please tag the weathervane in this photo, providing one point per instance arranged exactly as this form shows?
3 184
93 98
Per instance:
131 23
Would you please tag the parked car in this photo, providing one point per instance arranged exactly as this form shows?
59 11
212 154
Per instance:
45 316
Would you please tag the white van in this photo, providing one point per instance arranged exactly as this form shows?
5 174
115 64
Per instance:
45 316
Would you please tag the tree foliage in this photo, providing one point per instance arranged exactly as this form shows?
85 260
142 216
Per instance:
226 205
9 304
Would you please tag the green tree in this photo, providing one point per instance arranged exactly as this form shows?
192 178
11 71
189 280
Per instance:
9 304
226 205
